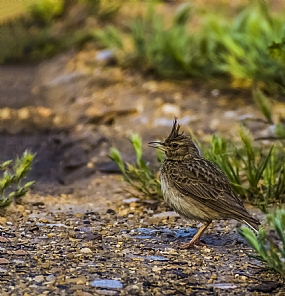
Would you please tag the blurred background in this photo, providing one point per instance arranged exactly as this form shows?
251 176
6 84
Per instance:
79 77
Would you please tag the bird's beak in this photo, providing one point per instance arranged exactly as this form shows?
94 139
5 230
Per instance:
158 145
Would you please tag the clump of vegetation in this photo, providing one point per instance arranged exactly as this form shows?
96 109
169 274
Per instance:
255 175
246 50
256 171
141 178
10 182
269 244
45 10
47 28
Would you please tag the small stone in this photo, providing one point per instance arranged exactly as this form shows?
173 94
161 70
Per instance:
39 278
50 278
85 251
19 262
215 92
111 284
82 293
156 269
69 256
45 265
20 253
3 239
4 261
223 286
106 292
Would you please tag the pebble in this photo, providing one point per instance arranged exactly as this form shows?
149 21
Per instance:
85 251
223 286
39 278
111 284
20 253
50 278
4 261
19 262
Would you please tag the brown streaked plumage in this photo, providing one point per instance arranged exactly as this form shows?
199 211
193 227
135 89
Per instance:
195 187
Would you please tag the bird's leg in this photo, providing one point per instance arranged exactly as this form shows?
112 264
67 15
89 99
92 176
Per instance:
195 241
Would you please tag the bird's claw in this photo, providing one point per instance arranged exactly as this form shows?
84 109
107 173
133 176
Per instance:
192 244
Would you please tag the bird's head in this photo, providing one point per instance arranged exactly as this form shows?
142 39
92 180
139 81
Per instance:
178 145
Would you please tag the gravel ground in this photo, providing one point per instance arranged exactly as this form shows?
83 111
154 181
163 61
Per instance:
131 248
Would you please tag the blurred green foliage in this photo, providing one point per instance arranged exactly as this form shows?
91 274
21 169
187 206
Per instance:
10 181
269 244
45 10
246 50
49 27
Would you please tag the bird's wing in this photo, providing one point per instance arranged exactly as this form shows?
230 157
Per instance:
207 184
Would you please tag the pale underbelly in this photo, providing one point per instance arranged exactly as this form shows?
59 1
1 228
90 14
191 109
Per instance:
186 206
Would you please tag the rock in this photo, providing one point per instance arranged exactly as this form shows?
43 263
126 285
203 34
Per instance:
50 278
105 57
215 92
3 239
19 262
223 286
39 278
85 251
20 253
111 284
106 292
4 261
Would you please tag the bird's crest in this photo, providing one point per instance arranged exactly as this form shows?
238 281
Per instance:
174 134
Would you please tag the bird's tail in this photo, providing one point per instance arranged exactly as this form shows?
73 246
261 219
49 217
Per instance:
252 223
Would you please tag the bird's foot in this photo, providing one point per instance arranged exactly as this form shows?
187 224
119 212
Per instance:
192 244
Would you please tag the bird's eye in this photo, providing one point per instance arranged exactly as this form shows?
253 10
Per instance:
174 145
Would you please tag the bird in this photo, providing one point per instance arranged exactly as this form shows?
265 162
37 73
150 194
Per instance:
196 188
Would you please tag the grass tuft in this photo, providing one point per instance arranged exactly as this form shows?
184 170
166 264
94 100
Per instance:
139 176
269 244
10 182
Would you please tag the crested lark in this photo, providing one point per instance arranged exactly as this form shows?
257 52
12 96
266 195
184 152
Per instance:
195 187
